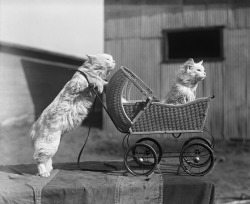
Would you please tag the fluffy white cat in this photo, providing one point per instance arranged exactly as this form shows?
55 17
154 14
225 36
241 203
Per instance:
68 109
184 88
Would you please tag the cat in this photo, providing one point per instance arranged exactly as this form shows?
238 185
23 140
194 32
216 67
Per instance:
184 88
68 109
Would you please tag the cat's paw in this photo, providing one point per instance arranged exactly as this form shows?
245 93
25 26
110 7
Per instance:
44 174
42 171
99 87
49 168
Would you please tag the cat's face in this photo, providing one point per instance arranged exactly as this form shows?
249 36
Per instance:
104 63
194 70
198 71
104 60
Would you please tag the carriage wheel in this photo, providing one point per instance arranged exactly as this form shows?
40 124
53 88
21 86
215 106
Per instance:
197 139
205 156
140 159
196 159
153 143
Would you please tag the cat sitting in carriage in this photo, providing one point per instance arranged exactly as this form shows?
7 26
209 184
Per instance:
186 82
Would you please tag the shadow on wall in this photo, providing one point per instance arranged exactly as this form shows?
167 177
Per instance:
45 81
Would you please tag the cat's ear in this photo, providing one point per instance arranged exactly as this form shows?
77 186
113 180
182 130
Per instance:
200 62
85 58
190 61
91 58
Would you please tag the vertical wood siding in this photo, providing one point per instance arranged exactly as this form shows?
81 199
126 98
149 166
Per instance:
136 42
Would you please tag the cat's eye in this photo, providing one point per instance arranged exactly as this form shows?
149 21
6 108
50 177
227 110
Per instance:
198 70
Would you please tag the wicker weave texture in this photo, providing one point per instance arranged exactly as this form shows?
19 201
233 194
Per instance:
161 117
114 103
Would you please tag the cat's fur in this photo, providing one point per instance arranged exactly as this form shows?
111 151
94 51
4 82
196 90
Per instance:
68 109
184 88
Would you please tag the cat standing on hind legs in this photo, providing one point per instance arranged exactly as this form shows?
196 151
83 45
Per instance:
186 82
68 109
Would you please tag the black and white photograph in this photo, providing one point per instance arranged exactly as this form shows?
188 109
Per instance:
125 101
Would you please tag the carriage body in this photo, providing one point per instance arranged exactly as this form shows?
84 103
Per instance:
149 116
158 118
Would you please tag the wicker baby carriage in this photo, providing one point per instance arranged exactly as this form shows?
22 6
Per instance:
149 116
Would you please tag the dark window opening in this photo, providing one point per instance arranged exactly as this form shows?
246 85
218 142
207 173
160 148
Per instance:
204 43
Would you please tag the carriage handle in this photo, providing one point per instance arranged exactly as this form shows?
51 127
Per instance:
144 89
133 78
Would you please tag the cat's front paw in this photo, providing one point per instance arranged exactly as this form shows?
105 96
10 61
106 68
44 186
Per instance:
99 88
42 171
49 166
44 174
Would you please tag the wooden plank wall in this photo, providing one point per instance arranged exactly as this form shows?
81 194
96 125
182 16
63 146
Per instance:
135 41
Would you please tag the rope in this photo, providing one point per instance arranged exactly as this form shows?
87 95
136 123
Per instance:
80 153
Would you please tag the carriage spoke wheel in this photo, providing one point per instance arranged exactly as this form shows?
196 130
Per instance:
197 139
140 159
154 144
196 159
